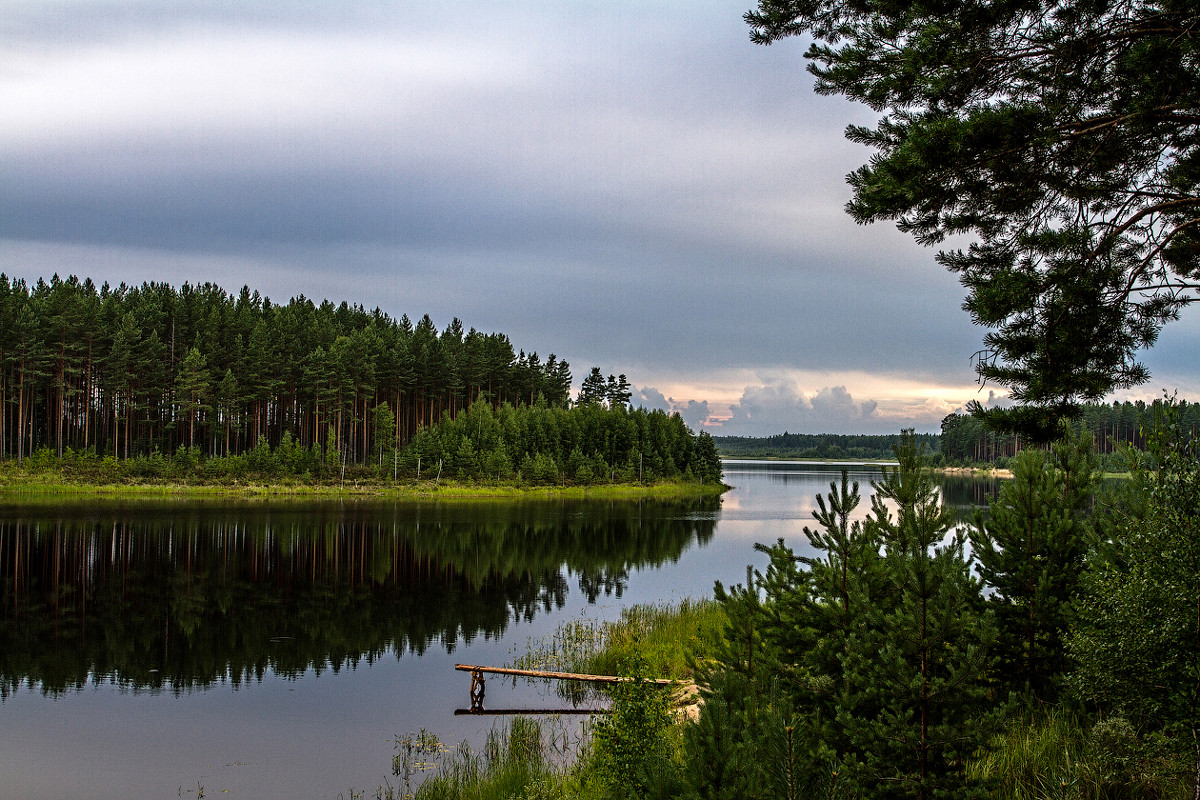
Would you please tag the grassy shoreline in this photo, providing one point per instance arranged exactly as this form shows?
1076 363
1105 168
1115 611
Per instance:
521 758
974 472
35 486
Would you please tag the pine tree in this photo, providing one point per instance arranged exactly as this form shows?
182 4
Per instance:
618 392
384 427
119 372
558 382
152 382
1061 136
1029 548
594 388
778 700
59 306
916 703
1135 638
847 579
8 308
226 398
192 390
30 363
705 463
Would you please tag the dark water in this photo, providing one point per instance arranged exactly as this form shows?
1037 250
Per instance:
263 650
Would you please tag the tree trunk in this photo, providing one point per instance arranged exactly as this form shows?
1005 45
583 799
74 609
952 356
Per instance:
62 390
21 418
924 697
87 399
3 412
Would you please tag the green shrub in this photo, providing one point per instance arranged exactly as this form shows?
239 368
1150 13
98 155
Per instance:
632 755
544 469
1058 755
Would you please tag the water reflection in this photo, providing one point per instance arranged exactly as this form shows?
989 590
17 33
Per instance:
966 493
161 598
799 482
802 473
106 594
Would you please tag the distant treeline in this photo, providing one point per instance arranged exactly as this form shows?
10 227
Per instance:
965 440
132 370
818 445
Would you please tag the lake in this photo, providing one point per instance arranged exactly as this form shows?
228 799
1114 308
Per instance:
276 649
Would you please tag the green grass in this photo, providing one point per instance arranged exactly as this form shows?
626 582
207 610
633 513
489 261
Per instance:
660 634
543 759
519 761
660 637
1056 755
16 487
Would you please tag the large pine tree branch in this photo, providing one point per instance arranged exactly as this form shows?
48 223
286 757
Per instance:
1159 208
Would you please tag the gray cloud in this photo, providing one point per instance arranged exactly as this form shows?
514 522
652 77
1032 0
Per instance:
781 406
694 413
631 184
997 400
835 403
650 399
623 198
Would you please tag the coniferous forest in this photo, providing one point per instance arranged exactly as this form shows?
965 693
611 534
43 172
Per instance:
1049 648
819 445
196 381
966 439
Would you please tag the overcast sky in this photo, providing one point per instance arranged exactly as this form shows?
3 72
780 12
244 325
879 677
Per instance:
631 185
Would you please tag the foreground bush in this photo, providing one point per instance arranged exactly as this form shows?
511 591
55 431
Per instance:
1058 754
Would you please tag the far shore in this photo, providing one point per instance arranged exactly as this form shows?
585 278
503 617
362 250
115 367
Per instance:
806 459
978 472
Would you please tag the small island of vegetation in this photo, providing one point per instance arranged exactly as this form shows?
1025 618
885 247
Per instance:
107 389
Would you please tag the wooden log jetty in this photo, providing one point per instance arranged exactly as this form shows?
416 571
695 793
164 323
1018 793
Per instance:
528 712
477 681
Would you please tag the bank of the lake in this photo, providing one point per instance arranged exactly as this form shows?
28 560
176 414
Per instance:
644 723
839 463
975 472
32 487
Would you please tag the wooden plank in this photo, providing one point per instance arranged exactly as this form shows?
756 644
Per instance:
562 676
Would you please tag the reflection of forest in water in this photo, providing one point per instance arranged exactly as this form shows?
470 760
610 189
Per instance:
963 493
178 598
966 493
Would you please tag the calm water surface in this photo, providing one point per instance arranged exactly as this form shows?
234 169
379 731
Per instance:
276 650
